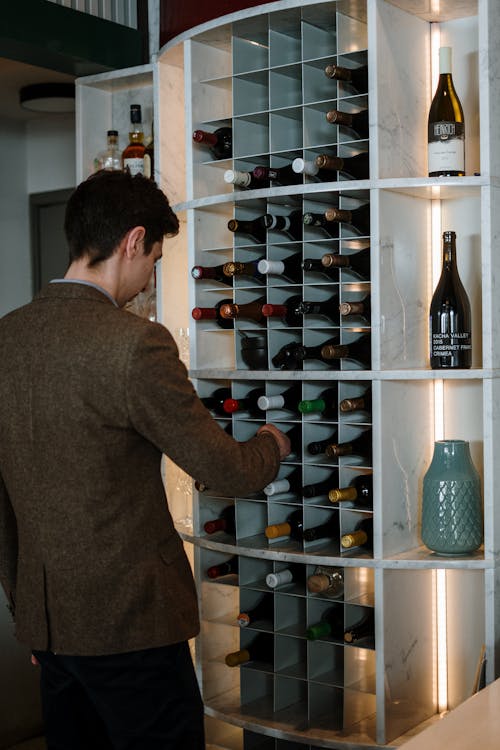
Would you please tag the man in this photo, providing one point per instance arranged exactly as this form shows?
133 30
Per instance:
90 398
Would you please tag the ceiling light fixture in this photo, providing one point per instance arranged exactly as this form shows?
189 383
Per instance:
48 97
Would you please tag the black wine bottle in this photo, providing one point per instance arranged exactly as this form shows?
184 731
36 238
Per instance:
213 313
358 262
357 403
316 447
289 268
357 167
316 265
328 308
291 483
446 128
289 312
292 527
361 536
247 403
326 580
263 611
358 351
280 175
245 180
215 402
220 142
356 77
260 649
355 121
225 522
318 220
360 446
250 269
356 309
358 218
359 491
213 273
363 628
320 488
289 225
291 356
248 310
288 399
255 228
226 568
325 404
328 530
450 315
331 624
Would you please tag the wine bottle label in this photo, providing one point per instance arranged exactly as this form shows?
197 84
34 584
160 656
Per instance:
446 147
450 344
134 166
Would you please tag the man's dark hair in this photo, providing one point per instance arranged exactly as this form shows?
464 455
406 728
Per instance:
106 206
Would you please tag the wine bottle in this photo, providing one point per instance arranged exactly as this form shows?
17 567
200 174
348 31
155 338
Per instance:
254 228
363 628
289 312
361 536
220 142
289 268
245 180
446 128
356 77
312 169
291 483
358 262
292 527
360 308
358 218
289 399
358 351
450 315
316 265
291 356
356 167
318 220
325 404
250 269
290 225
109 159
225 522
133 154
280 175
246 403
326 580
215 402
213 273
316 447
229 567
328 308
358 403
263 611
248 311
320 488
331 624
328 530
360 446
360 491
260 649
213 313
355 121
281 578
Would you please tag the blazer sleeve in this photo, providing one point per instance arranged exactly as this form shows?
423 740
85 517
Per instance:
164 407
8 546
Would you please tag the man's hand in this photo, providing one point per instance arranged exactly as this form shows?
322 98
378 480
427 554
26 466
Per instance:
280 437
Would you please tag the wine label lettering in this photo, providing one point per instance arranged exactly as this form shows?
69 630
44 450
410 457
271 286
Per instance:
134 166
446 148
450 344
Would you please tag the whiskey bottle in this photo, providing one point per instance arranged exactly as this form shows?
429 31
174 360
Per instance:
248 311
331 624
225 522
220 142
229 567
358 262
289 399
355 121
359 491
356 77
261 649
289 268
328 581
213 313
355 167
133 154
109 159
262 612
361 536
358 218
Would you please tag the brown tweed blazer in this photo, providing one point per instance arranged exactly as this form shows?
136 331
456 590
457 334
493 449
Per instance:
90 398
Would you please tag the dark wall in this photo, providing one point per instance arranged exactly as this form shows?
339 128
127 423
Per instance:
177 16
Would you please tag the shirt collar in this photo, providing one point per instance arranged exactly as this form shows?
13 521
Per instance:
86 283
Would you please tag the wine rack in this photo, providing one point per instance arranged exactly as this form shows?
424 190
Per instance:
261 72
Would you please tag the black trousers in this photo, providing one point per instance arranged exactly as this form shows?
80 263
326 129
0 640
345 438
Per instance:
142 700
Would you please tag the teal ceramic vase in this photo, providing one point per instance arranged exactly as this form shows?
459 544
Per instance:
452 519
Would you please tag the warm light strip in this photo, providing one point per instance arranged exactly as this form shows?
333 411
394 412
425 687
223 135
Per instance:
442 642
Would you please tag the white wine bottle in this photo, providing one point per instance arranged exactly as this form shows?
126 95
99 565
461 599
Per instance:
446 128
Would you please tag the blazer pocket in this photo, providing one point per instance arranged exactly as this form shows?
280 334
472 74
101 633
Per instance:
171 548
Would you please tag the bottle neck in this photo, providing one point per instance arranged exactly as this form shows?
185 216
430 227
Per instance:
449 254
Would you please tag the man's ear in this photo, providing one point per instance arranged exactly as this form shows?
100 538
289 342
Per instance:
134 242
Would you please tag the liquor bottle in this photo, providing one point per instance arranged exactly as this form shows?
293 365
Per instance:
358 351
133 154
246 180
316 265
149 156
328 308
229 567
289 399
450 315
254 228
358 403
355 121
290 225
316 447
360 308
320 488
326 580
358 262
325 404
215 402
361 536
328 530
213 313
363 628
247 403
225 522
250 269
281 578
292 527
356 167
360 446
318 220
331 623
446 128
109 159
356 77
360 491
313 169
248 311
358 218
280 175
290 483
264 610
291 356
289 311
213 273
260 649
289 268
220 142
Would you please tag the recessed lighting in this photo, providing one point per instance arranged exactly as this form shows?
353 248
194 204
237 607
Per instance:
48 97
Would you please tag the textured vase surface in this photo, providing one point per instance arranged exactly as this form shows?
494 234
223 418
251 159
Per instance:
452 519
